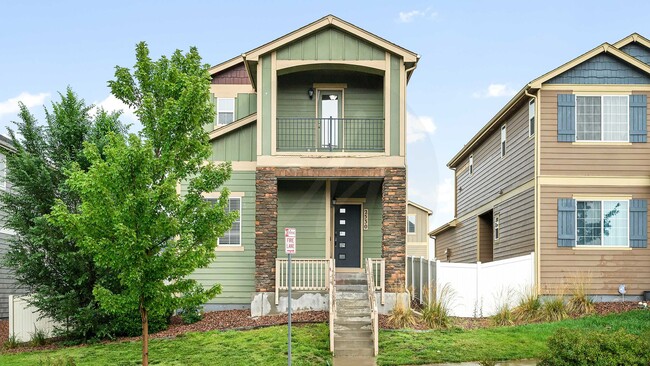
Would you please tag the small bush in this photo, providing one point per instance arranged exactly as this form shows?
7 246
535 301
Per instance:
401 316
59 361
503 316
11 342
435 313
192 314
554 309
580 303
529 307
38 337
578 347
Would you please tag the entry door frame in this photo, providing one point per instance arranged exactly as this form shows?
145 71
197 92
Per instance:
347 201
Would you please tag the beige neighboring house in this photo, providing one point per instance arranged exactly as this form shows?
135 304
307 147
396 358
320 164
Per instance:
563 170
417 240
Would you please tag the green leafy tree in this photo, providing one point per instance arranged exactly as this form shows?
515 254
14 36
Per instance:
132 218
46 263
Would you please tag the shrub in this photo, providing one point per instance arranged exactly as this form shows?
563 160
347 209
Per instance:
192 314
529 307
401 316
11 342
435 313
554 309
503 316
577 347
38 337
580 303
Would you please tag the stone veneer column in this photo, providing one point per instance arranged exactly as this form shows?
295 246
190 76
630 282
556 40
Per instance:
393 201
266 232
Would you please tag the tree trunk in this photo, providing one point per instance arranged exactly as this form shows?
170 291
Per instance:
145 334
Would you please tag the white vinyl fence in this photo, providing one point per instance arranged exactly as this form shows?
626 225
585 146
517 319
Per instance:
24 319
476 289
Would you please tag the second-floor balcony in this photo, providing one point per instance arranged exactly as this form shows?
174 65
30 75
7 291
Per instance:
330 134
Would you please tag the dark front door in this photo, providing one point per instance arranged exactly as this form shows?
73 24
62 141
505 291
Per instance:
347 235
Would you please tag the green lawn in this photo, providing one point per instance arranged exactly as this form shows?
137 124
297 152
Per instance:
268 346
504 343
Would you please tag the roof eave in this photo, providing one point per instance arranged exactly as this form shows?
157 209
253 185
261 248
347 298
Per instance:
450 225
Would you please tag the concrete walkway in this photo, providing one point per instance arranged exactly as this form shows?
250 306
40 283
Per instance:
354 361
504 363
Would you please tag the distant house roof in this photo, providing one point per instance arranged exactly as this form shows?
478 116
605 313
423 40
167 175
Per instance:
420 207
526 92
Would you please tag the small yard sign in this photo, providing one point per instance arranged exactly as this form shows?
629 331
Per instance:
290 240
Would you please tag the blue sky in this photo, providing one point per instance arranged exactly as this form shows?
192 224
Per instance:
475 54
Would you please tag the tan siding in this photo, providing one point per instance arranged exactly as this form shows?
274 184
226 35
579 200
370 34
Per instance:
421 225
565 158
607 269
417 250
461 240
517 226
493 173
485 241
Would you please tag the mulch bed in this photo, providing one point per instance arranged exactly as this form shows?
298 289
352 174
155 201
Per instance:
241 319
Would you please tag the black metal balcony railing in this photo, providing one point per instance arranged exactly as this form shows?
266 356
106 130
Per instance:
330 134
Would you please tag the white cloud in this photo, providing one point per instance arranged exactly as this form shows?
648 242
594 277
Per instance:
111 104
495 91
10 106
418 127
409 16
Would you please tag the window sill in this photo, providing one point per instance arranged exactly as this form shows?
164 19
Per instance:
601 143
600 248
228 248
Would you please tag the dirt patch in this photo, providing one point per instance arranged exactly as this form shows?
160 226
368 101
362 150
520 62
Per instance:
4 331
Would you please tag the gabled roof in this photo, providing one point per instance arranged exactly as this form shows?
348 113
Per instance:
251 57
451 224
531 87
420 207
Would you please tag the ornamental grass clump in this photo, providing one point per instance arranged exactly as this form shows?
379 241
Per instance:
401 316
555 309
503 315
580 303
435 312
528 308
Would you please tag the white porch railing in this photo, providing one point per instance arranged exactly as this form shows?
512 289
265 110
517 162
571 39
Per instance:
332 278
374 315
379 275
308 274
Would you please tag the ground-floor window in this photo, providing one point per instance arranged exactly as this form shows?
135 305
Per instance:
232 237
603 223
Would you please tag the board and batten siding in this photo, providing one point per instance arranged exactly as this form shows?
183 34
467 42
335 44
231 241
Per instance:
417 244
330 44
461 240
586 159
238 145
235 270
517 226
605 269
492 173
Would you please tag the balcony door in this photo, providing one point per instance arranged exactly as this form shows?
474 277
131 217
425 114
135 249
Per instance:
330 111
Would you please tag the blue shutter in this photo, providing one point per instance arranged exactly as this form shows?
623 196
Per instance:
638 224
566 222
638 118
566 117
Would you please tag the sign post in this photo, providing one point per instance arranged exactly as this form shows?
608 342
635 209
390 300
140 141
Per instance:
289 248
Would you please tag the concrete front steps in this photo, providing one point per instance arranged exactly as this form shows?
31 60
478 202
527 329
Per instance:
352 325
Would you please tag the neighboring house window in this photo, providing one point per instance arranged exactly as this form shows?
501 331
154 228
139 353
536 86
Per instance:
503 140
471 164
603 223
3 171
496 226
602 118
225 111
232 237
531 117
411 224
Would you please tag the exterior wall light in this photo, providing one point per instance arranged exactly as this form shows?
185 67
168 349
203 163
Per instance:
310 92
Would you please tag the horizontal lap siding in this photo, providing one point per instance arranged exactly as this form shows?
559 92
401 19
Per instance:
461 240
565 158
8 284
493 173
235 271
301 205
517 225
607 269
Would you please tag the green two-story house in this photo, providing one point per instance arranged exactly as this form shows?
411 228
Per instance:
314 125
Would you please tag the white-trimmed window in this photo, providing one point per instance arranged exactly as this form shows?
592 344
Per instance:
3 171
602 118
496 226
225 111
410 227
602 223
232 237
471 164
503 140
531 117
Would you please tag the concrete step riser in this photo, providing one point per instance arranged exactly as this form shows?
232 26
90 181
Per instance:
364 334
352 319
344 313
351 296
351 327
352 288
354 353
353 344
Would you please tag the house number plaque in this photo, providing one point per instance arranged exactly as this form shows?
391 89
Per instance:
365 219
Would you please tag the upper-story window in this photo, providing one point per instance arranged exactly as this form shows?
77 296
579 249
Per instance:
410 228
602 223
471 164
602 118
503 140
531 117
225 111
